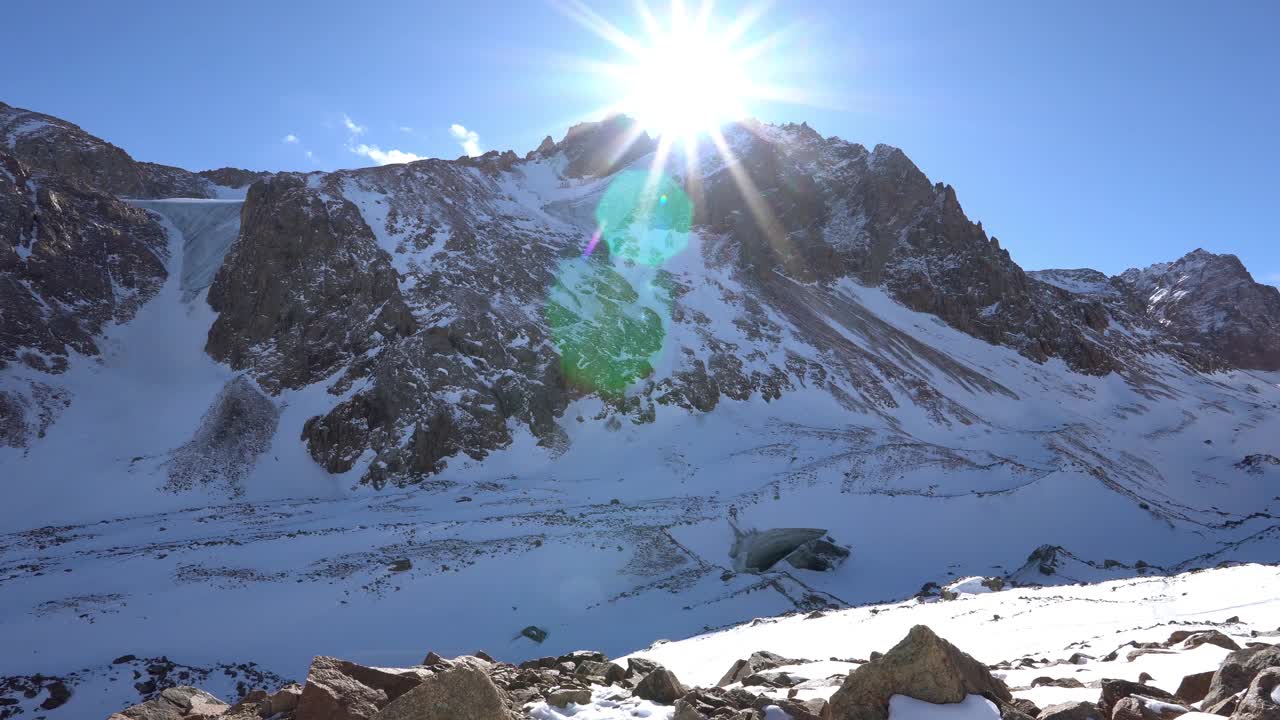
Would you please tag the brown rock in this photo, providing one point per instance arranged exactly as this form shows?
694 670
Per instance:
1026 707
461 692
177 702
1225 707
759 660
1082 710
660 686
1194 687
1259 701
286 698
1138 707
1211 637
341 690
1238 670
922 666
1062 682
561 697
685 710
1113 691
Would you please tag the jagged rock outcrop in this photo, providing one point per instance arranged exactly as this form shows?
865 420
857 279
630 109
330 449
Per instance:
445 303
53 145
304 288
230 177
71 260
1211 302
759 661
600 148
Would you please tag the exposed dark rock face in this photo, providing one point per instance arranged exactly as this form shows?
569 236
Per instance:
304 289
309 290
599 148
53 145
233 177
1211 302
835 210
71 260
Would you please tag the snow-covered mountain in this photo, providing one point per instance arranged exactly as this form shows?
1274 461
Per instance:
431 405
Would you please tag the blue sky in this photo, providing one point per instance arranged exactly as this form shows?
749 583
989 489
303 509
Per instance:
1080 133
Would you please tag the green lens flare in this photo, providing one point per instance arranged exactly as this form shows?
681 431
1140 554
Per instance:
644 217
608 322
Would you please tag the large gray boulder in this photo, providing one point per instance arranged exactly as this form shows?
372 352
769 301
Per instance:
660 686
461 692
1239 669
1113 691
922 666
341 690
759 661
176 703
1138 707
1262 700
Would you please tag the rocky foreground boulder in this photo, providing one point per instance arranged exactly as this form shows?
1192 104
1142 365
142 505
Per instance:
922 666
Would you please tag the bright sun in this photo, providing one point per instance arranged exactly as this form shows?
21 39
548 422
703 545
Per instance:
686 75
686 81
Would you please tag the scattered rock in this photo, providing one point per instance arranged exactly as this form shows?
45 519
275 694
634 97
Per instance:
1113 691
561 697
1212 637
660 686
1225 707
341 690
1063 682
1262 700
759 661
534 633
1026 707
461 692
1194 687
285 699
922 666
1082 710
177 702
1138 707
1238 670
686 711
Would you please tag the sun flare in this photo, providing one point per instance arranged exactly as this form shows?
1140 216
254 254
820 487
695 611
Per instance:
688 73
687 81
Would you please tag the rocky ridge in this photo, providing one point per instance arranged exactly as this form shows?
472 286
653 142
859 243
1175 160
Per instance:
922 667
53 145
441 268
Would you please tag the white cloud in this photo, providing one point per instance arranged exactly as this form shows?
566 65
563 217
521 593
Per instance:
384 157
468 139
310 155
406 129
290 139
373 152
352 126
